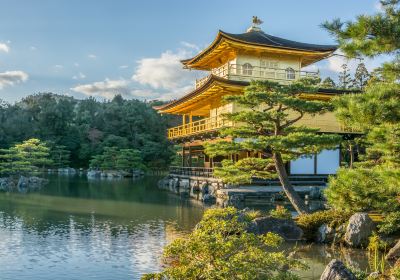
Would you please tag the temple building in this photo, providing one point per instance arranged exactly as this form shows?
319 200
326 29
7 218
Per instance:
233 60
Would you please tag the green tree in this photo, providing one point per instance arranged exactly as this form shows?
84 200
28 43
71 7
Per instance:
344 77
328 83
371 35
361 77
129 159
269 126
26 157
220 247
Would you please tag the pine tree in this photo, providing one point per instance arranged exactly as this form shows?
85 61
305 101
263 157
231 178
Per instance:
372 35
361 77
344 77
269 126
328 83
26 157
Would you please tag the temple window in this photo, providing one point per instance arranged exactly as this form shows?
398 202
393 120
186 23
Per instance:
290 74
247 69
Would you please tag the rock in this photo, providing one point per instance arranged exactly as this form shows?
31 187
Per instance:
287 229
374 275
7 184
358 230
336 270
26 184
22 183
327 234
93 174
67 170
394 253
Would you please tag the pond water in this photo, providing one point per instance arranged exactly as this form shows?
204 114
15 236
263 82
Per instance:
75 228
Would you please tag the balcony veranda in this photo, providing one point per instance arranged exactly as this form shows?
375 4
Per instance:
240 73
325 123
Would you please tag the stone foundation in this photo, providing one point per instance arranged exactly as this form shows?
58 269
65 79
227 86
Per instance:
214 191
200 188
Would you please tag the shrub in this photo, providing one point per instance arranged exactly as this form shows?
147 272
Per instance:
310 223
364 190
390 223
221 248
280 212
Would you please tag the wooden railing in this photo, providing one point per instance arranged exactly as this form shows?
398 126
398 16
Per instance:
191 171
325 123
239 72
200 126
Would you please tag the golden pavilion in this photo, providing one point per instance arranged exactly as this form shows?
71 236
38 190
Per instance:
233 60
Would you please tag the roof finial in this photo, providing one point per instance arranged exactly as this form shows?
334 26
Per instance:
255 24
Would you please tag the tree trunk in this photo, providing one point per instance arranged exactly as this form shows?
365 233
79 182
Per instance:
287 187
351 150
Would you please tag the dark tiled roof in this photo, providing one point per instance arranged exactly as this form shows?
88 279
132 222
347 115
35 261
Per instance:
261 38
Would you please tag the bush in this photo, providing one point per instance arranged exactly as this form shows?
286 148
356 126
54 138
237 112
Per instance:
364 190
390 223
280 212
221 248
310 223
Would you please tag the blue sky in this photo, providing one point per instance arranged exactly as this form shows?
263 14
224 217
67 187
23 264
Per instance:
104 47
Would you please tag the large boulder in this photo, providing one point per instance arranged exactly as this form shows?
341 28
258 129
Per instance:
336 270
287 229
26 184
359 229
7 184
394 253
328 234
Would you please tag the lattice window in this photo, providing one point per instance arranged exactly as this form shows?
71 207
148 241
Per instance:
247 69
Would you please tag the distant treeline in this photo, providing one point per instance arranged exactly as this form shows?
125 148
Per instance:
82 129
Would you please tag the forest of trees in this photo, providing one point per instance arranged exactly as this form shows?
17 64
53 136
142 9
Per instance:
78 130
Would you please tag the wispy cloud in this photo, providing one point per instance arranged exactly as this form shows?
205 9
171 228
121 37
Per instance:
79 76
123 66
32 48
107 88
92 56
10 78
190 46
4 47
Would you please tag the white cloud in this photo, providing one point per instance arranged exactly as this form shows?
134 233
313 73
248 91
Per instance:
32 48
79 76
76 64
10 78
92 56
4 47
107 88
123 66
58 66
190 46
164 72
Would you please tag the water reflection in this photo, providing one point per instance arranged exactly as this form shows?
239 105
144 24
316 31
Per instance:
75 229
101 229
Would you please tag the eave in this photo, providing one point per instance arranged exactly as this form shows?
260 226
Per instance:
225 48
199 101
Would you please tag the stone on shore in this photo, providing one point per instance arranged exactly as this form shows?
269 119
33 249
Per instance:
336 270
394 253
287 229
359 229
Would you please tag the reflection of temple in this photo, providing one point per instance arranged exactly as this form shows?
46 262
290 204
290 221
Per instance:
233 60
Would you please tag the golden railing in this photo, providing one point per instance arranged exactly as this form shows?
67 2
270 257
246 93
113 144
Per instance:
325 122
240 72
200 126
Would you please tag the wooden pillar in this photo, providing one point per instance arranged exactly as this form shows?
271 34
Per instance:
190 122
183 156
190 156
